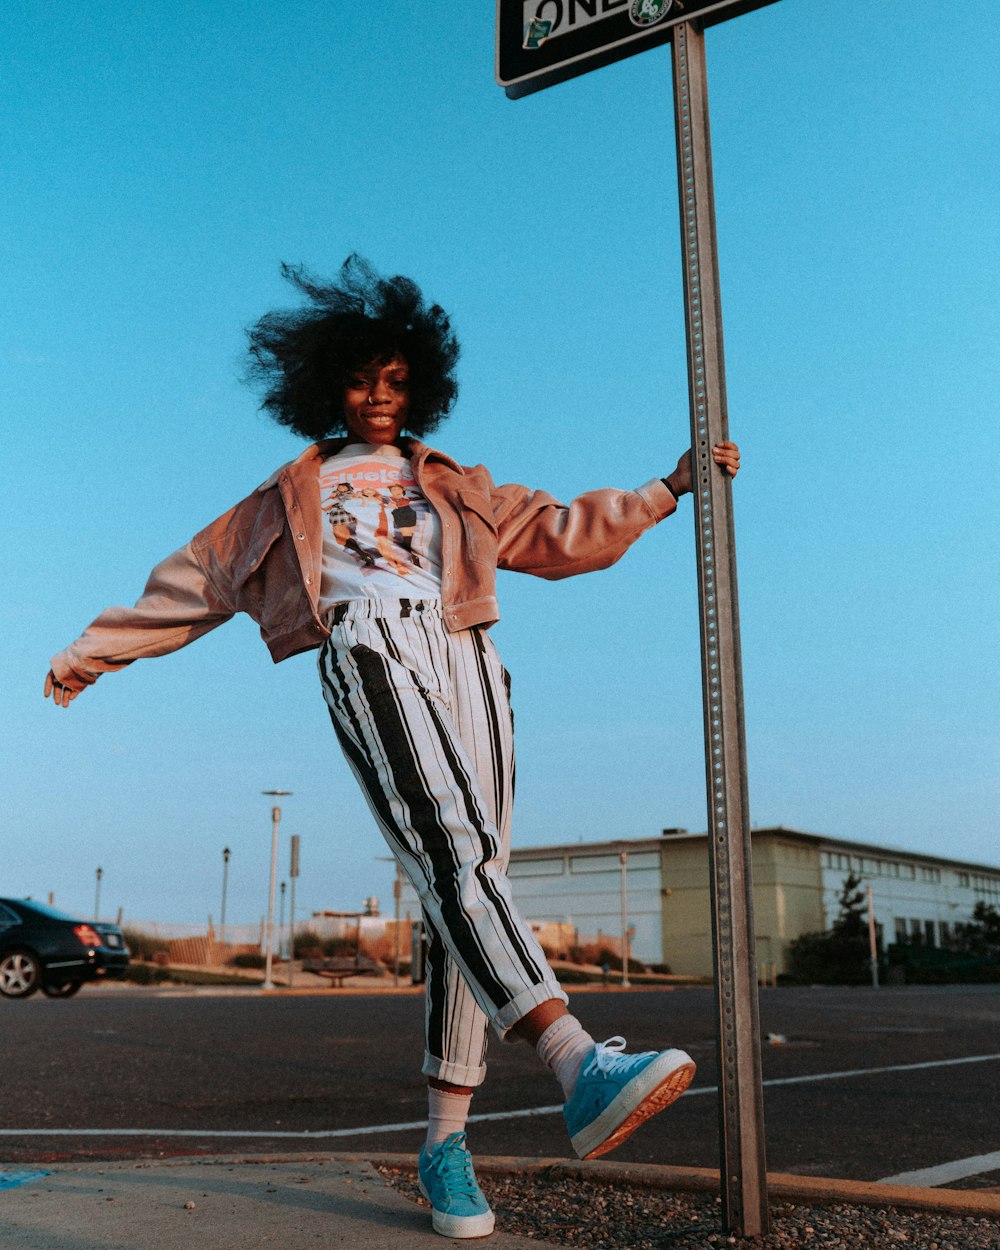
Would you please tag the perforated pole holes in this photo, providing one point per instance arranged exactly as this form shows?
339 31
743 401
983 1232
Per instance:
742 1164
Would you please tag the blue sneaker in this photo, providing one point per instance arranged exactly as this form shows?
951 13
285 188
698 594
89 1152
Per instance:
615 1093
447 1181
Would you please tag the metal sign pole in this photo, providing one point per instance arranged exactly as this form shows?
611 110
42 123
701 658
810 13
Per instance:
741 1116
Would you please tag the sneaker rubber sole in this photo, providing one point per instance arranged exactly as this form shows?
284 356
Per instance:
656 1087
460 1225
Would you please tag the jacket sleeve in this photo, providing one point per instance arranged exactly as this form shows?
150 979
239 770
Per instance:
539 535
180 603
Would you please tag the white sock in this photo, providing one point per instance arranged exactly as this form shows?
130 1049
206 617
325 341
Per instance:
564 1046
446 1114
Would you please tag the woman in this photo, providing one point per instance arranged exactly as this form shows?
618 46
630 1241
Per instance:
416 692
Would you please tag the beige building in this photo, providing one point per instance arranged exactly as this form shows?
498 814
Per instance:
797 880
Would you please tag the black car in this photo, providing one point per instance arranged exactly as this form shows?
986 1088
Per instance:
48 950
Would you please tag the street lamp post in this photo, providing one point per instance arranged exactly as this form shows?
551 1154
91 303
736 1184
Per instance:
272 888
97 895
623 860
397 894
872 937
225 881
281 922
293 872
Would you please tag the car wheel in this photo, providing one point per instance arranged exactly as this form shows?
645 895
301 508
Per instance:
61 989
20 974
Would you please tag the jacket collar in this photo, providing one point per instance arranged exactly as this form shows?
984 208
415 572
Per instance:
418 453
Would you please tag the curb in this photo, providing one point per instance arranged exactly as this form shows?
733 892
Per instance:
781 1186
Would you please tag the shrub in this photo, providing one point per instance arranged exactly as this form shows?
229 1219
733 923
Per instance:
841 955
307 941
142 945
614 961
145 974
248 961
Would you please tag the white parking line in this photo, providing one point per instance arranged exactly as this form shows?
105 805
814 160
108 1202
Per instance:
957 1170
411 1125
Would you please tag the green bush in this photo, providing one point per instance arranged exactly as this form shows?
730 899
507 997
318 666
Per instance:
306 940
248 961
928 965
145 974
187 976
614 961
574 976
142 945
841 955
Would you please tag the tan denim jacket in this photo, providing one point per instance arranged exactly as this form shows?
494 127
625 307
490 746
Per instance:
263 557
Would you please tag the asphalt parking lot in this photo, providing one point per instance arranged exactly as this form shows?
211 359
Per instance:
863 1085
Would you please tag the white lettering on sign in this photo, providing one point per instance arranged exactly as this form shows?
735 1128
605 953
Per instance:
568 15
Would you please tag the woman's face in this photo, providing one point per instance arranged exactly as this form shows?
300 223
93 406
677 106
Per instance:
377 401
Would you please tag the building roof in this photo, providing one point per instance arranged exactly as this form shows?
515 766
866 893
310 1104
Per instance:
819 840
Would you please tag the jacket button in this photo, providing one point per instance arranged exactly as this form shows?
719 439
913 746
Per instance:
309 581
300 537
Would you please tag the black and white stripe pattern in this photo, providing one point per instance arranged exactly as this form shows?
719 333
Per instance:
424 719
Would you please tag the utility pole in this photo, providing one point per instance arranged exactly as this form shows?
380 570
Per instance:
272 887
623 861
293 872
872 936
225 882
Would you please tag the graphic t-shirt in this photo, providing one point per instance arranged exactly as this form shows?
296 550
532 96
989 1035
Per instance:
381 538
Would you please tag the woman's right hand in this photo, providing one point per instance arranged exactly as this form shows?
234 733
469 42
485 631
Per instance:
62 695
726 455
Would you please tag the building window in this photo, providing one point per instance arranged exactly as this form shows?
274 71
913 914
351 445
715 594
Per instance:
929 933
916 930
900 923
637 861
930 874
963 880
535 868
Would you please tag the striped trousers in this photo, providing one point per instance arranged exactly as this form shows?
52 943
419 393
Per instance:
424 719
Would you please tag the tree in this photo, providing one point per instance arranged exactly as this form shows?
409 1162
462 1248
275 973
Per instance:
841 955
981 936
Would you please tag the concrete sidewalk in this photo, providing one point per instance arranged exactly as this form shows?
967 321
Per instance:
303 1203
216 1205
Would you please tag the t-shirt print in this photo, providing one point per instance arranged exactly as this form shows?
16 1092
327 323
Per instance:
381 538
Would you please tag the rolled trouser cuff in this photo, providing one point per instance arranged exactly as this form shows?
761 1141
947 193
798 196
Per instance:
526 1001
453 1073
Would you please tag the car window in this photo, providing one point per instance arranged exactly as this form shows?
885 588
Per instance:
42 909
8 917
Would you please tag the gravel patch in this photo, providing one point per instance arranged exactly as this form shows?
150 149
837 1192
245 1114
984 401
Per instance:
605 1217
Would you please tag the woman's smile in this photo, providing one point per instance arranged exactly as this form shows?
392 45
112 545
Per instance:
377 401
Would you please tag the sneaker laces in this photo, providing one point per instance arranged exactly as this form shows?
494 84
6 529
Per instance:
453 1163
609 1055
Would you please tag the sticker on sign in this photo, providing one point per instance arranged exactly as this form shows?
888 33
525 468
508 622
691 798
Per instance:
542 42
549 19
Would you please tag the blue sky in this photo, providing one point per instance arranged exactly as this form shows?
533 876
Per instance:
162 160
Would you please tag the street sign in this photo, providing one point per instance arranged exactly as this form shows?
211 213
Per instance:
543 42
